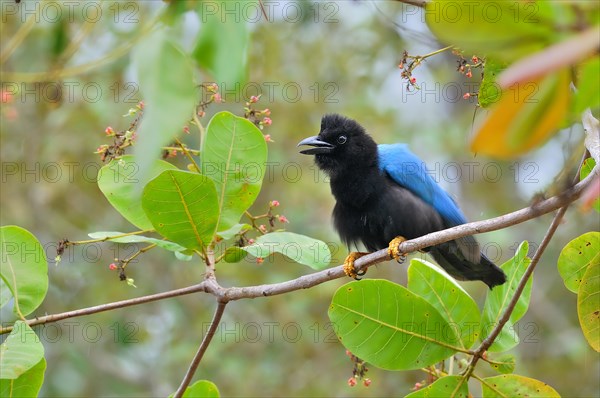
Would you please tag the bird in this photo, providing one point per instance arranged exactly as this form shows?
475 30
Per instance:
384 195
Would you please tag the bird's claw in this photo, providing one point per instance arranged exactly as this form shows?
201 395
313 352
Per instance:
394 249
349 269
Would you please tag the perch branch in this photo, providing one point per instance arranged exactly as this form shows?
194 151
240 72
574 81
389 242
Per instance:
227 294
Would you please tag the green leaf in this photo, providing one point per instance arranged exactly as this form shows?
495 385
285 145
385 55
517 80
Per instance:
588 304
165 244
489 91
576 256
516 386
222 48
452 302
233 231
497 300
5 293
26 385
166 82
502 29
504 363
122 183
586 169
300 248
587 91
449 386
234 254
389 326
23 268
185 255
21 351
201 389
182 207
234 156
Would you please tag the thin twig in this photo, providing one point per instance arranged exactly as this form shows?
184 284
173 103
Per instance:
307 281
201 287
489 340
214 324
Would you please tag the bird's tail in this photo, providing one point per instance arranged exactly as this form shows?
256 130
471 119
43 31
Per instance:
451 259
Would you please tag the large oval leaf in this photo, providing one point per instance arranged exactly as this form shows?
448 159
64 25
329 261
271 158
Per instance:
23 268
166 81
452 302
449 386
122 183
27 384
576 256
526 115
21 351
234 156
504 29
300 248
183 207
588 305
389 326
497 300
516 386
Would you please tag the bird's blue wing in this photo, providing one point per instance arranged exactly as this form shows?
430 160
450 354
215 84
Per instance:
406 169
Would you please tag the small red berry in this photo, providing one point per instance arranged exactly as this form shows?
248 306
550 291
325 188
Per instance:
267 112
267 121
6 96
469 74
109 131
283 219
475 59
467 95
262 228
141 105
186 129
112 267
348 353
367 382
254 99
401 65
352 381
251 241
268 138
274 203
260 260
413 80
217 98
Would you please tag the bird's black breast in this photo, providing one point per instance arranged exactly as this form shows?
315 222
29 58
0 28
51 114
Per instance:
389 211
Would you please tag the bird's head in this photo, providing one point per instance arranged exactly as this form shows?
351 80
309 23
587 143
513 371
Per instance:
341 144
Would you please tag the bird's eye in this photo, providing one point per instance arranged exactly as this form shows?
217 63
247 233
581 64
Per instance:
342 139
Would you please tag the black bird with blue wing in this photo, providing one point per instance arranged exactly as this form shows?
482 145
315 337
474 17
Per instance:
384 195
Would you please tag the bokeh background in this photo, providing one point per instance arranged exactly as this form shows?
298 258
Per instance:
308 59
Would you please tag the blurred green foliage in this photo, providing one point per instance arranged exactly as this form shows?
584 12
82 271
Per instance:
309 58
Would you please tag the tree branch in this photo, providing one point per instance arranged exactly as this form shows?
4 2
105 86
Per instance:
418 3
226 294
214 324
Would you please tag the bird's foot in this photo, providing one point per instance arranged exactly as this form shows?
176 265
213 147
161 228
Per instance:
349 269
394 249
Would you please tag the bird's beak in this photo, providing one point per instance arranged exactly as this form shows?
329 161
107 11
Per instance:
319 146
